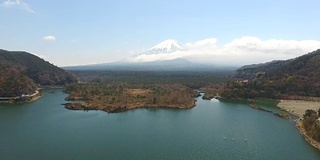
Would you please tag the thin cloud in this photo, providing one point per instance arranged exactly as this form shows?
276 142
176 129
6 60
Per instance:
241 51
40 56
17 3
203 44
49 38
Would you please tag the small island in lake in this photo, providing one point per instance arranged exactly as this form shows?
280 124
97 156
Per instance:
121 97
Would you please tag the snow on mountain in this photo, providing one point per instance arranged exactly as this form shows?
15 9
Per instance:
167 46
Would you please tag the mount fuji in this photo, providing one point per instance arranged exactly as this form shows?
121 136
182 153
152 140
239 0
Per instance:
167 46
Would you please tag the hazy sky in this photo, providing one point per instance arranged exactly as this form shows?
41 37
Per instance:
230 31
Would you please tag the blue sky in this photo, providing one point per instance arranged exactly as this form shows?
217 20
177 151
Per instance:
86 32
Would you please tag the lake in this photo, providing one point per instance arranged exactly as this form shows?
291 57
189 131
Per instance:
44 129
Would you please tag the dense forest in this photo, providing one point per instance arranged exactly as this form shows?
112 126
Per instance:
21 72
192 79
291 79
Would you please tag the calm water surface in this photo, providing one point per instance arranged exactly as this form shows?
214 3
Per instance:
46 130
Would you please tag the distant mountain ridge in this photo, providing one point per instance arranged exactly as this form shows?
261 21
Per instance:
21 73
178 64
173 64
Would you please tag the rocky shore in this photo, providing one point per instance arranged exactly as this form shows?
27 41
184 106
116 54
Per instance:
22 99
311 141
298 108
254 106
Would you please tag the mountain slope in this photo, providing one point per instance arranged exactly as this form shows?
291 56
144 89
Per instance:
281 79
21 71
14 82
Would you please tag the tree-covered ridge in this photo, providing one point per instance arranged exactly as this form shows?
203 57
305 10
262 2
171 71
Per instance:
22 71
39 70
251 71
13 81
291 78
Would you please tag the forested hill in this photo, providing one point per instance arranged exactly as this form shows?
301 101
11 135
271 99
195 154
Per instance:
278 79
251 71
21 72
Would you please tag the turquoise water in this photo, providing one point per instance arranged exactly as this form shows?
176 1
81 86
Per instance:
46 130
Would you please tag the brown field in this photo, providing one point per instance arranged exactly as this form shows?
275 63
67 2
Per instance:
298 107
135 92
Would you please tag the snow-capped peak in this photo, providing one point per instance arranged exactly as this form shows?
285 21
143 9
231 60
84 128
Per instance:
166 46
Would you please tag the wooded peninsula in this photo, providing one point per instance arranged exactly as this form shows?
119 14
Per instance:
121 97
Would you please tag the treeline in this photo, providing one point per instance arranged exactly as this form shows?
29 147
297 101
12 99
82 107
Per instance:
311 124
263 87
193 79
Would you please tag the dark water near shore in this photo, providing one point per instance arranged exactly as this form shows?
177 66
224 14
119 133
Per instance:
46 130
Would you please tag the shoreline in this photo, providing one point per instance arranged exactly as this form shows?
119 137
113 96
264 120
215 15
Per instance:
298 108
34 98
29 98
23 99
302 131
52 87
116 109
